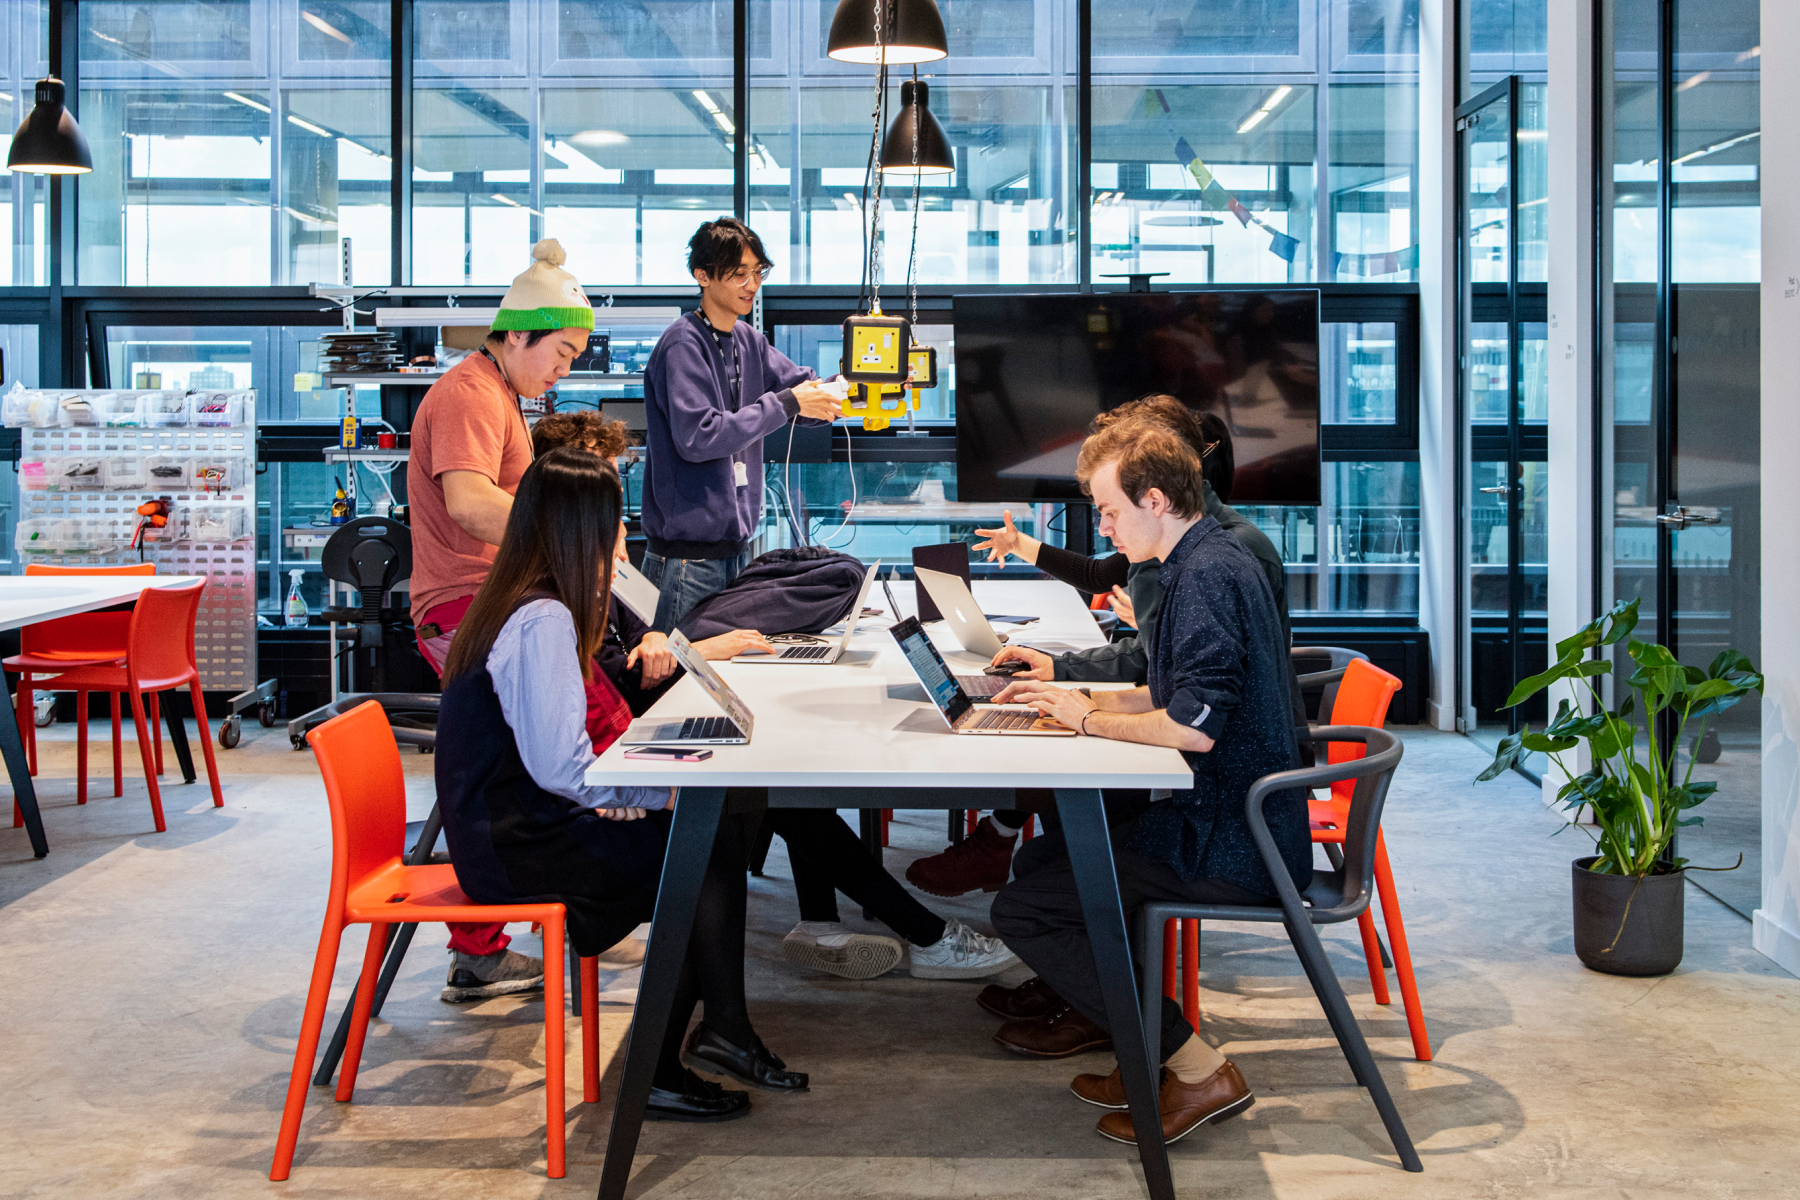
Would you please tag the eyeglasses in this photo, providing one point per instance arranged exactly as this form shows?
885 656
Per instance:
741 274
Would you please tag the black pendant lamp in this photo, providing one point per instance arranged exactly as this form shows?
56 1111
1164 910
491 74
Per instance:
48 141
933 148
912 31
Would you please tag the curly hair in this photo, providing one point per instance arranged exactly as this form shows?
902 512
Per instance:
584 429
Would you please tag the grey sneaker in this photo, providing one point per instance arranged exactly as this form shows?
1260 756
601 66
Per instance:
961 954
828 946
483 977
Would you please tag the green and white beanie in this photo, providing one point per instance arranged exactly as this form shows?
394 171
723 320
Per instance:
545 296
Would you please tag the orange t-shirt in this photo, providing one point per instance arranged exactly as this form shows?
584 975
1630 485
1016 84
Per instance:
468 421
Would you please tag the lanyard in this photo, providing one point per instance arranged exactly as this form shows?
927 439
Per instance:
719 340
517 407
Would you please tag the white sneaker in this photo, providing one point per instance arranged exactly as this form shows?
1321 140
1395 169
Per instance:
828 946
961 954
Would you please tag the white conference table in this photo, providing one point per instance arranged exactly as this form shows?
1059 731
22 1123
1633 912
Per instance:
860 733
29 599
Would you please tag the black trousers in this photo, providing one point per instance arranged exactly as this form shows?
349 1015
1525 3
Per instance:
829 858
1123 805
1039 916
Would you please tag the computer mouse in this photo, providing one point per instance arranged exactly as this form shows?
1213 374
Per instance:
1011 666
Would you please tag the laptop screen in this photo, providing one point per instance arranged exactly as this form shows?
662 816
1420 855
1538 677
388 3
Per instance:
708 679
929 666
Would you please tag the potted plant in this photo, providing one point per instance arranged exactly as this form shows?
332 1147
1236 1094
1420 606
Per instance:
1628 896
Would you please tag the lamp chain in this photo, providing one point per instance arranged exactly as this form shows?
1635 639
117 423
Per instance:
912 258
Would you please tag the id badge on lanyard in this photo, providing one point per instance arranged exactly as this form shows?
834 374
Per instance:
740 473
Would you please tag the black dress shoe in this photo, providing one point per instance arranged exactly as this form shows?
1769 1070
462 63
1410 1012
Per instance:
757 1066
1033 998
698 1100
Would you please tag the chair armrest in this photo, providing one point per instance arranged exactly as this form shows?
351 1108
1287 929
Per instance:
1319 679
1383 755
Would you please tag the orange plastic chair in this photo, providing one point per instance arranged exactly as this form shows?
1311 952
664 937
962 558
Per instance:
370 885
1362 699
52 647
157 659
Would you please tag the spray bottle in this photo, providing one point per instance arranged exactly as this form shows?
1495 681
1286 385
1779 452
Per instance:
296 603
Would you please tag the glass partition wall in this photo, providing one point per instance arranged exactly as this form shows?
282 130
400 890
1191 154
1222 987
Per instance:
1678 470
238 145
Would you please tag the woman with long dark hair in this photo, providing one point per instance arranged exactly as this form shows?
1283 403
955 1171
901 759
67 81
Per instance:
520 818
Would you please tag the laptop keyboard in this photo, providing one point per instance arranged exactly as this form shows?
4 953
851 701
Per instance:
980 687
1006 718
806 652
700 728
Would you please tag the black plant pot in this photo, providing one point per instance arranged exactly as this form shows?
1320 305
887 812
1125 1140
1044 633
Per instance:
1649 909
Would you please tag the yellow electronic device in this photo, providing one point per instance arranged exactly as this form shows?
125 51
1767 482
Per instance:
924 367
875 348
877 404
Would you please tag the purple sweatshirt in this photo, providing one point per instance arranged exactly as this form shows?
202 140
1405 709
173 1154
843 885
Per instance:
697 430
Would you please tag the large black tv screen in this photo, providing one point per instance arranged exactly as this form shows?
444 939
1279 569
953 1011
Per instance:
1033 371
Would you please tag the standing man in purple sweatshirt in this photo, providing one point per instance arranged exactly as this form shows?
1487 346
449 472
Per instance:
714 389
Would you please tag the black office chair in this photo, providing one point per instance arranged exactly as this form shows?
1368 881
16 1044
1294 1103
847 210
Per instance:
372 555
1320 668
1332 897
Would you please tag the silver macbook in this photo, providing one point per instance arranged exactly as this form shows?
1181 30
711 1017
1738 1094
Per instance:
979 687
961 613
953 704
821 652
732 729
635 591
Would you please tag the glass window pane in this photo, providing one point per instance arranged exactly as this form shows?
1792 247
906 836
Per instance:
1158 28
472 160
1374 182
1357 552
24 199
234 183
1381 27
1239 210
1360 373
636 30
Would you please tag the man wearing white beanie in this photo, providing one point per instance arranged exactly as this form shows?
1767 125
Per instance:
470 445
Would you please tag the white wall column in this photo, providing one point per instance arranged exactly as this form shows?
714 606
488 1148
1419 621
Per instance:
1438 434
1777 923
1570 305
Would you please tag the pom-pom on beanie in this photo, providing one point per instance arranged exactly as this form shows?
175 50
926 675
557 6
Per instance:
544 296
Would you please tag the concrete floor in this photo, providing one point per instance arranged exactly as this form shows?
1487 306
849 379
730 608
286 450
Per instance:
157 980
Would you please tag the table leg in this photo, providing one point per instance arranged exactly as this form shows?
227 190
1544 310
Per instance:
12 748
1090 853
178 735
691 837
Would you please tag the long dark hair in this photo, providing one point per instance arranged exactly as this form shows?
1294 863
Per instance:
558 541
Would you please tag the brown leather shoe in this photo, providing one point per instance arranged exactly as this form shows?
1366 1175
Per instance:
1057 1034
1185 1107
1102 1091
980 862
1033 998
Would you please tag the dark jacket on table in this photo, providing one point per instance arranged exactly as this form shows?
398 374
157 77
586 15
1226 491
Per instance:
1218 666
697 429
802 589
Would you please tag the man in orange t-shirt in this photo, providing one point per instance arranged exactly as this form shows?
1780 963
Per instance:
470 445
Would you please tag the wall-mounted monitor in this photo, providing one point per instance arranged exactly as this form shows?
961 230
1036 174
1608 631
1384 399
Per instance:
1033 371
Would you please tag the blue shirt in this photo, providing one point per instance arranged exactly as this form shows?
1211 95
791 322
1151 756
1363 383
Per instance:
1219 665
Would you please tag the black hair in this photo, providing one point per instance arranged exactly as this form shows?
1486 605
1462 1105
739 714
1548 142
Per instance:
1219 465
718 246
532 336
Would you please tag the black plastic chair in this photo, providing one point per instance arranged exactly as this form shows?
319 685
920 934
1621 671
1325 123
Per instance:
371 555
1320 668
1332 897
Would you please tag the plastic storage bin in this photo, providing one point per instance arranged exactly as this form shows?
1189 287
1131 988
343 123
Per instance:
217 408
123 472
80 474
163 409
215 523
165 473
213 476
40 474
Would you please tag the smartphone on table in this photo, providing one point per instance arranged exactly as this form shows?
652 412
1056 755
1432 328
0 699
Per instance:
670 753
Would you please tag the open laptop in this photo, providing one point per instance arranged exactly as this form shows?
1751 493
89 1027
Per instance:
732 729
635 591
821 652
961 613
954 705
979 687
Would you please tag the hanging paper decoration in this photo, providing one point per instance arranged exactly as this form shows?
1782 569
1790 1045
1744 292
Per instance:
1214 196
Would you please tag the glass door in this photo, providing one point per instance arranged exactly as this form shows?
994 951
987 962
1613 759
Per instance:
1503 401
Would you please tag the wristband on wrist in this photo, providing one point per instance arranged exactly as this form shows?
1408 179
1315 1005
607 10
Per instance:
1084 716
